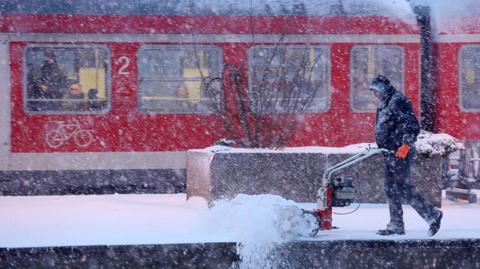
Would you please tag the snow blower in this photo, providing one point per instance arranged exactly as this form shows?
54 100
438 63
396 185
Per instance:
336 191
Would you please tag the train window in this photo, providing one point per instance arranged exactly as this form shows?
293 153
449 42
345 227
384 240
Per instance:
306 70
470 78
66 79
366 62
170 78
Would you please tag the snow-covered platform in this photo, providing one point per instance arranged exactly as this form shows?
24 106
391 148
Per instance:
168 231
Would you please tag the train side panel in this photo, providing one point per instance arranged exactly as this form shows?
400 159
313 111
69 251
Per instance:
132 150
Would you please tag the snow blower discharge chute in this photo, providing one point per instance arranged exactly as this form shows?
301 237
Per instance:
337 190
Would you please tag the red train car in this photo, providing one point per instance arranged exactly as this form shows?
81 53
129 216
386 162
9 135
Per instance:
105 97
456 54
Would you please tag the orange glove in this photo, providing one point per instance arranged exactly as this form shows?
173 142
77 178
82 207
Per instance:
402 151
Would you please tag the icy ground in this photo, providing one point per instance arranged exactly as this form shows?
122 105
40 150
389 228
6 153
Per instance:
161 219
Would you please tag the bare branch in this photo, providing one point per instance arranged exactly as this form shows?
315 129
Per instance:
282 87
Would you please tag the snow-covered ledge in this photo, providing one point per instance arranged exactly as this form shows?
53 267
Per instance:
295 173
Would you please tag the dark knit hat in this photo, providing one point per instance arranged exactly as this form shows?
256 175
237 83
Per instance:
380 84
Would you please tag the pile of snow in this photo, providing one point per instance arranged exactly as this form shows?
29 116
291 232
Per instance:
259 224
428 144
437 144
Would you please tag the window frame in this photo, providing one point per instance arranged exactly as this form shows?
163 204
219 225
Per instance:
460 78
402 49
273 46
108 79
172 46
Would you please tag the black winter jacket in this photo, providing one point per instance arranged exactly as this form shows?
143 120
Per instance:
396 123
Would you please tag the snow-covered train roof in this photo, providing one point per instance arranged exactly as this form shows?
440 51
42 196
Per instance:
461 16
447 16
388 17
388 8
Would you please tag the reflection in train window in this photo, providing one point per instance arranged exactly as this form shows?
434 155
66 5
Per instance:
470 78
366 62
66 79
288 77
170 78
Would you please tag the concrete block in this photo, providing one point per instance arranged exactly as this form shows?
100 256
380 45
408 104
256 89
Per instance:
217 175
295 173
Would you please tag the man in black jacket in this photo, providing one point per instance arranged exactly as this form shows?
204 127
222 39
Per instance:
396 129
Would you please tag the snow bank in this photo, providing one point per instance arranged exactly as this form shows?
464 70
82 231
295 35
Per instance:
258 223
436 144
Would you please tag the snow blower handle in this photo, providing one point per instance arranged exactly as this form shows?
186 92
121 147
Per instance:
352 160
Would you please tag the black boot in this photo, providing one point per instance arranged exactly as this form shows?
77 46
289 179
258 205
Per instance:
435 224
391 229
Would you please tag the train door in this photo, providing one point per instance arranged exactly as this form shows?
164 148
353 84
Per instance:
4 103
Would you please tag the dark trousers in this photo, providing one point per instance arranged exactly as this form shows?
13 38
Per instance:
398 185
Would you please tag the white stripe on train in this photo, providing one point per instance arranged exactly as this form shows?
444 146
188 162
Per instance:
94 161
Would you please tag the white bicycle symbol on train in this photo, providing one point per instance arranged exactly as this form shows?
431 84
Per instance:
65 131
